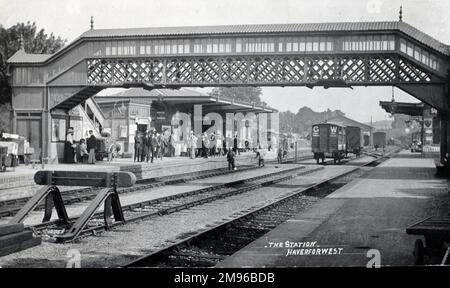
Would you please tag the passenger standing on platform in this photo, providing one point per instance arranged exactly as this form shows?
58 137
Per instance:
235 144
260 156
91 144
172 144
137 146
205 144
82 153
154 144
230 158
144 147
192 144
158 145
165 141
148 145
224 146
219 144
280 154
69 146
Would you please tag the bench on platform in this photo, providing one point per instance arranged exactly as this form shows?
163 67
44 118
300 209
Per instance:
53 199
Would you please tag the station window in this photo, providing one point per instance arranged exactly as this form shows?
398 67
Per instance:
108 48
209 46
316 44
228 42
302 44
161 47
280 44
120 48
391 42
238 45
309 44
126 48
346 44
288 44
167 47
322 44
215 45
409 49
173 47
330 44
148 48
377 43
384 43
354 43
180 46
114 48
222 46
362 43
272 45
425 58
417 53
433 62
187 46
197 46
204 44
403 46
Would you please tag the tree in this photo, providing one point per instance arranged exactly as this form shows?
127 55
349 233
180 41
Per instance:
302 121
245 94
35 42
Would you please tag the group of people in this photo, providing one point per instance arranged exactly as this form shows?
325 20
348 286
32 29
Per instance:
149 145
81 152
212 145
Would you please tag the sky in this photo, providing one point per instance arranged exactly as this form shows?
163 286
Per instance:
70 18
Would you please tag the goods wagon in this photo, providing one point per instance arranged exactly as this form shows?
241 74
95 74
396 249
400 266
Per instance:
328 141
379 139
353 135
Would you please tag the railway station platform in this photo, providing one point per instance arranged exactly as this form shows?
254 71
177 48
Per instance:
18 182
371 212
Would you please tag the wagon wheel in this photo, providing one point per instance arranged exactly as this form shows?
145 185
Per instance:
419 252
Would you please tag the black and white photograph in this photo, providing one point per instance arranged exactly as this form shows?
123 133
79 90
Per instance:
171 135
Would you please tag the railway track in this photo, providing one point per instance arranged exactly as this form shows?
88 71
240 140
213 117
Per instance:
170 204
207 247
11 207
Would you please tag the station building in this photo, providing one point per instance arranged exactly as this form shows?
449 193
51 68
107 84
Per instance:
137 109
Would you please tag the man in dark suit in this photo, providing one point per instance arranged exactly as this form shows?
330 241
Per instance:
91 145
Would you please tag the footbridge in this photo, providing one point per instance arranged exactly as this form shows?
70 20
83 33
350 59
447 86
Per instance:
321 54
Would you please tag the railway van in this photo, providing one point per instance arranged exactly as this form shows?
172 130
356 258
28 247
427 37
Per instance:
353 135
328 140
379 139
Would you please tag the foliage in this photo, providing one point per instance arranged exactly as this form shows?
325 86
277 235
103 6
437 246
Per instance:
302 121
245 94
35 42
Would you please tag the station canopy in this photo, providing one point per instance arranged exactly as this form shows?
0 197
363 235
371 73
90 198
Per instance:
412 109
186 97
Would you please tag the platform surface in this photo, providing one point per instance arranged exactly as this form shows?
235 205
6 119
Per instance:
371 212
